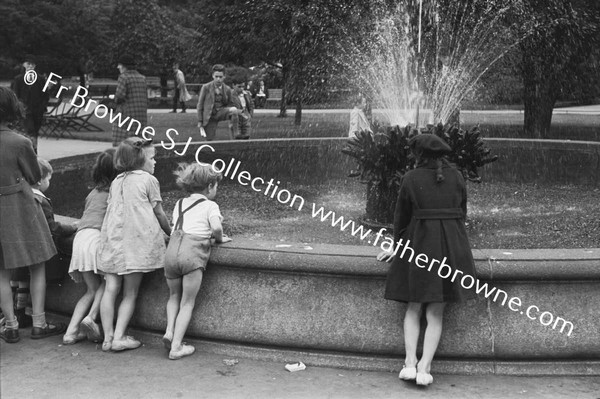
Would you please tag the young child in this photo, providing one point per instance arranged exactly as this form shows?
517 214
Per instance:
85 250
243 102
197 220
62 235
132 241
430 212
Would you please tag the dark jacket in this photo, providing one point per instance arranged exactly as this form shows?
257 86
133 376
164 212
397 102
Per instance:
249 103
24 235
32 96
432 216
62 234
206 101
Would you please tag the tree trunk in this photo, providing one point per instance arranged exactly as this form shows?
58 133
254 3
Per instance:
298 116
539 97
283 103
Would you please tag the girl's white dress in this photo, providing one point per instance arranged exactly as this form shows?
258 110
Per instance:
87 239
131 238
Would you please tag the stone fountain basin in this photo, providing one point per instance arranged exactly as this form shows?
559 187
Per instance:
325 303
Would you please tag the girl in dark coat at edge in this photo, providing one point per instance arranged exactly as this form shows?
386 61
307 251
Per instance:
25 239
430 212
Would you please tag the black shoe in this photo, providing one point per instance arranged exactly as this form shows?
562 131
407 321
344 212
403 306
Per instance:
183 111
10 335
24 320
48 331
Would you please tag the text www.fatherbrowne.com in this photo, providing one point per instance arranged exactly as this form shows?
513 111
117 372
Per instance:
444 270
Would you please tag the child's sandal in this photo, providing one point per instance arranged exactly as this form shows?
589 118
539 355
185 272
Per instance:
408 373
74 338
107 345
424 379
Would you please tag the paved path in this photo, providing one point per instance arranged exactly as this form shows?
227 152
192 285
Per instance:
50 148
47 369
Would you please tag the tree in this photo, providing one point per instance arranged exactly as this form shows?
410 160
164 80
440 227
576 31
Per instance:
305 39
556 56
149 33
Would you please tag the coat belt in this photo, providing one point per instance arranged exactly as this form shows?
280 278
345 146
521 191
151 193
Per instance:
12 189
443 213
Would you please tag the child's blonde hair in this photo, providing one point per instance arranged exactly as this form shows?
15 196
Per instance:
194 177
130 154
45 167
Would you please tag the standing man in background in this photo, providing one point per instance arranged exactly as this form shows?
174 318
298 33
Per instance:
131 98
181 94
33 98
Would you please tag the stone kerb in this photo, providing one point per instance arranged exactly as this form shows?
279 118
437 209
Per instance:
330 299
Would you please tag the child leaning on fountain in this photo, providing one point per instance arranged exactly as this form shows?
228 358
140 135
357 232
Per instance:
197 219
83 267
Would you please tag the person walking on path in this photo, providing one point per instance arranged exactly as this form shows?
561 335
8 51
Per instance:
131 98
25 239
181 94
216 104
34 99
430 220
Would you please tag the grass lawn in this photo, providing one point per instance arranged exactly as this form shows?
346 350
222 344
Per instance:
335 124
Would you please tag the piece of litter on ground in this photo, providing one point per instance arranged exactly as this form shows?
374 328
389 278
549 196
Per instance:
291 367
230 362
282 246
307 247
340 375
507 253
74 353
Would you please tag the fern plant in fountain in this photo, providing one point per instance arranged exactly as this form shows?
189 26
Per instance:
384 157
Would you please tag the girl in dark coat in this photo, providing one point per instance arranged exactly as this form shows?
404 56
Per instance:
430 212
25 238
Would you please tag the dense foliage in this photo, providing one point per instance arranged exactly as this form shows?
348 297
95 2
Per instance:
384 157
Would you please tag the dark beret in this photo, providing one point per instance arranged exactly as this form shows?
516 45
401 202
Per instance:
430 144
126 60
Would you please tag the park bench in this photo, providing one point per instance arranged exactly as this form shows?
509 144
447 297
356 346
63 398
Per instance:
275 95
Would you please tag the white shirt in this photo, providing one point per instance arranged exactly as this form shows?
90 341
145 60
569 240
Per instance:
197 220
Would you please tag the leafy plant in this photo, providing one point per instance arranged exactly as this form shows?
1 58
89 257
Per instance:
469 151
385 156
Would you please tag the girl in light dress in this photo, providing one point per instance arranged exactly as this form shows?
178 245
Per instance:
132 239
83 267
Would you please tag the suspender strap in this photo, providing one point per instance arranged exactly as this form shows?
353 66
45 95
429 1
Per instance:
179 223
